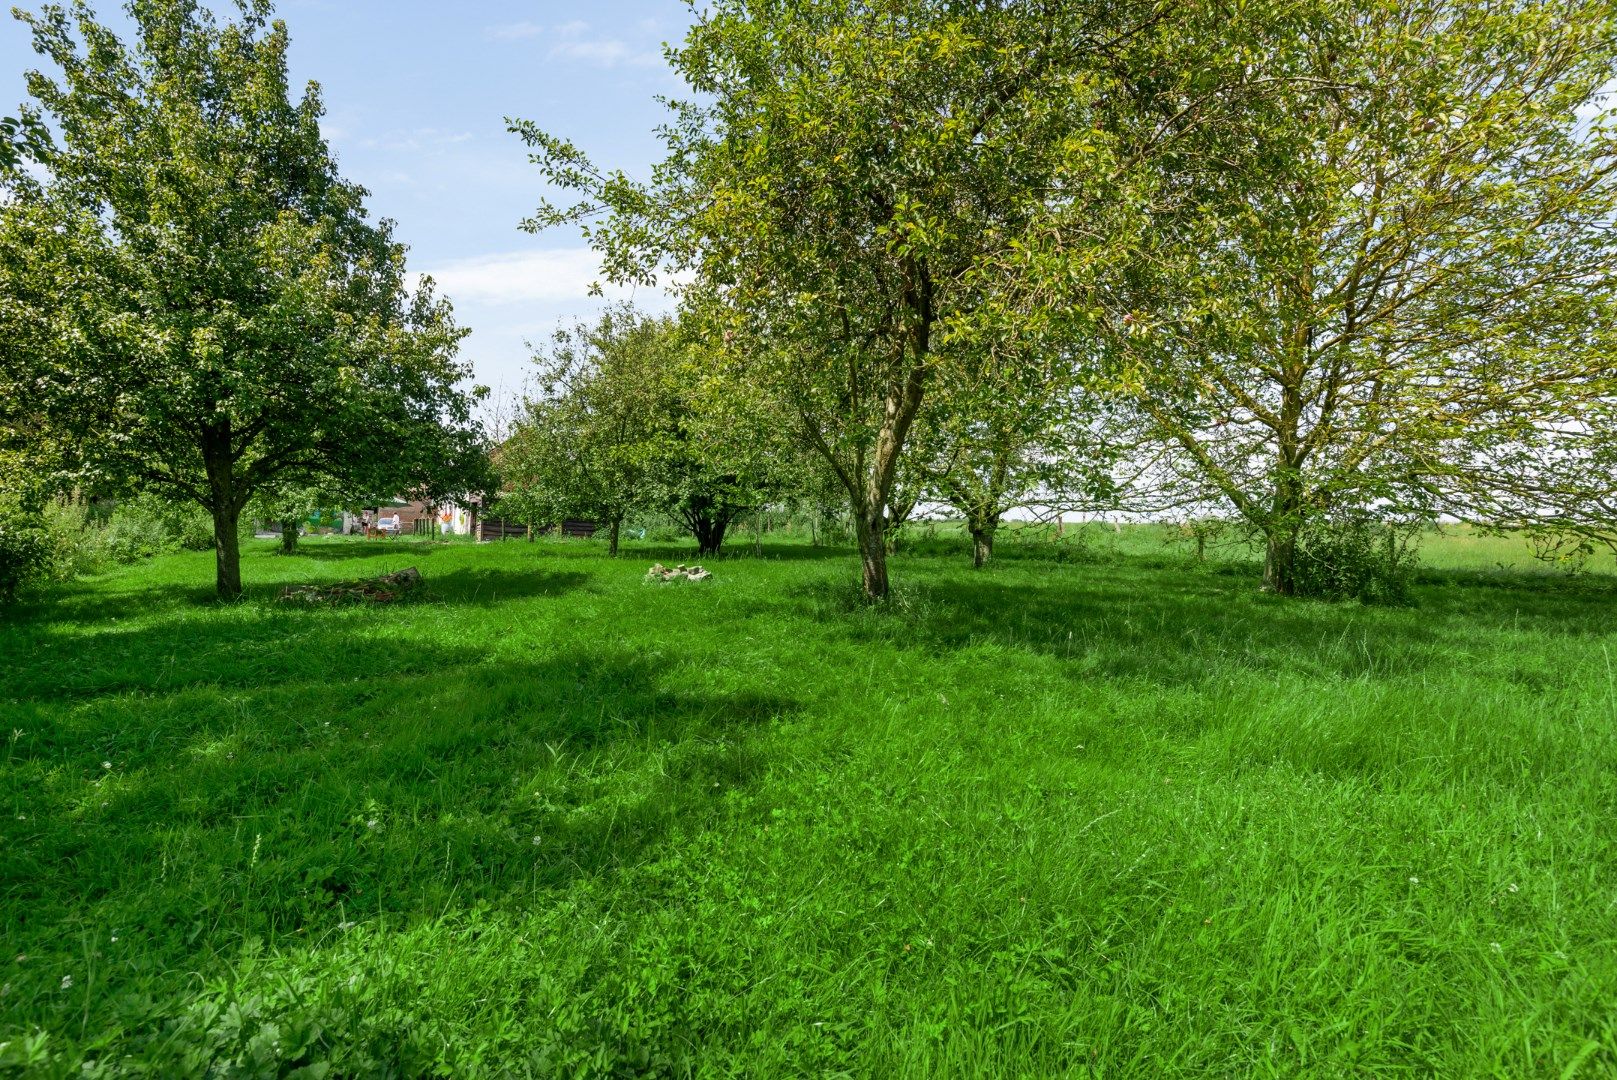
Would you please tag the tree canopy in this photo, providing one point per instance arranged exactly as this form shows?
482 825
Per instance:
206 306
626 418
847 195
1286 261
862 193
1405 304
585 440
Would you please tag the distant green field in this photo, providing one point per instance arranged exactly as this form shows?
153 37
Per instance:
1451 547
1098 810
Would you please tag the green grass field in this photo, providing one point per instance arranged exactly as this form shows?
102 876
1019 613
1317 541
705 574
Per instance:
1093 812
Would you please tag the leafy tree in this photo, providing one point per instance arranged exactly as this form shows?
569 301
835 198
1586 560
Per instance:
36 249
22 138
627 420
290 506
724 450
849 193
1404 300
221 315
585 443
1013 428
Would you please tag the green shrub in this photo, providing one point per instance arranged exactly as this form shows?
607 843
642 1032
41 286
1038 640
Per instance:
24 552
57 542
131 536
66 538
1355 556
657 528
192 528
145 526
75 538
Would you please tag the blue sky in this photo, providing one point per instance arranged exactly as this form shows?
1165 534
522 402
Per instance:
416 94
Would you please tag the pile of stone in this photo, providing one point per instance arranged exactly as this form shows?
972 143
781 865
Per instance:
378 590
659 572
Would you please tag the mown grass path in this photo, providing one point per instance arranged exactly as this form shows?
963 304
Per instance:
1119 816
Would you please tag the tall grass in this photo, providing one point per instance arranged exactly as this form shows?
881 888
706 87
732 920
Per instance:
1098 811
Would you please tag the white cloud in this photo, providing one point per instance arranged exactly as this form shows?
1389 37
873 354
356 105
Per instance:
339 124
511 300
571 43
599 52
522 277
607 53
515 31
418 139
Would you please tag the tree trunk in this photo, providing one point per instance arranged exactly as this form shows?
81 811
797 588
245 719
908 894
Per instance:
982 545
290 528
873 554
612 537
1285 522
1280 563
870 486
227 550
225 503
709 533
1282 529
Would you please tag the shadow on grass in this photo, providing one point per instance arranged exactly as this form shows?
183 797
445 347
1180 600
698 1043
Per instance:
397 793
488 587
85 602
303 646
1125 619
731 551
89 643
93 604
345 550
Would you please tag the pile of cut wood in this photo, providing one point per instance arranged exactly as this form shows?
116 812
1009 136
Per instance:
377 590
659 572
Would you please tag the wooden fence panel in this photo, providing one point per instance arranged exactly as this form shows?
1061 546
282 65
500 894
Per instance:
493 528
505 529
